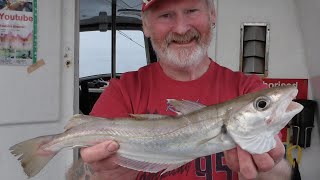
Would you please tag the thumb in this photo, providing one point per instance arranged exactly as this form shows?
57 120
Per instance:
99 151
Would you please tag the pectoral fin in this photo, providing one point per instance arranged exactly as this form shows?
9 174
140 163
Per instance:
255 144
205 141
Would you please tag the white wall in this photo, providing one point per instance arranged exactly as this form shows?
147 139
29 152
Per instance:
39 103
285 36
309 15
293 49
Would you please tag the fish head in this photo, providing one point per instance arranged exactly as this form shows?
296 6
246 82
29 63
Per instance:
257 117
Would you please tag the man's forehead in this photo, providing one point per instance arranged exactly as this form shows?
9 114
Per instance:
147 3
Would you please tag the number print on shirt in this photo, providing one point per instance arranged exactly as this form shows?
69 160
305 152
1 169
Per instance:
203 166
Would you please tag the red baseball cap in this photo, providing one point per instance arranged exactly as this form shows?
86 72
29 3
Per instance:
146 4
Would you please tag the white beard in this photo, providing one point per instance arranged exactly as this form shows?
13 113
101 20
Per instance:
184 57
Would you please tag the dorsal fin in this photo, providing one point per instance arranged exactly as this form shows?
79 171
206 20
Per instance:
76 120
182 107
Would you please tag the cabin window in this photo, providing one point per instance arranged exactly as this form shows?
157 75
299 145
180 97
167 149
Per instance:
95 52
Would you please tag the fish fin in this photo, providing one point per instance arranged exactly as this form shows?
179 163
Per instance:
173 167
78 119
31 156
205 141
140 165
255 144
147 116
182 107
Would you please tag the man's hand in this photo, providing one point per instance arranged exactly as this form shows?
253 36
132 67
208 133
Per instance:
101 159
249 165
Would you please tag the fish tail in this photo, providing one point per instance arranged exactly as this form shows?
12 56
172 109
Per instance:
31 155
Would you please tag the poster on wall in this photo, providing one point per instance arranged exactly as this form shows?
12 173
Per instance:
18 32
300 84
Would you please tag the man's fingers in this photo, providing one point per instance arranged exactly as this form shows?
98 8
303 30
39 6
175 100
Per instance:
263 162
278 152
231 157
99 152
247 166
105 164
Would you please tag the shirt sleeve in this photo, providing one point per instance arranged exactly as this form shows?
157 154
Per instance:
111 103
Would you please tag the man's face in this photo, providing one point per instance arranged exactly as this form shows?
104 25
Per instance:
180 30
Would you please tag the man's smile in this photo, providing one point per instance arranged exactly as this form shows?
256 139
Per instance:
188 43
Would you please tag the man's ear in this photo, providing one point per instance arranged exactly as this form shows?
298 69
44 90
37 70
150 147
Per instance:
213 15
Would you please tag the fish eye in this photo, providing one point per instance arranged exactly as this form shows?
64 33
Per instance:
262 103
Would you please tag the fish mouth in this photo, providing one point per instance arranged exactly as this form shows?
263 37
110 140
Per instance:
285 110
291 108
294 106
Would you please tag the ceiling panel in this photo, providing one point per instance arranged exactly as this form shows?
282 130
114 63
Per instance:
92 8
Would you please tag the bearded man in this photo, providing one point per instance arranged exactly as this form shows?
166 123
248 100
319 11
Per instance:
180 32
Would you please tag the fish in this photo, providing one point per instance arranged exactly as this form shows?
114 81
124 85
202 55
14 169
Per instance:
160 143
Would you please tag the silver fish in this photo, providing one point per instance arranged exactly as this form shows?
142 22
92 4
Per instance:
153 143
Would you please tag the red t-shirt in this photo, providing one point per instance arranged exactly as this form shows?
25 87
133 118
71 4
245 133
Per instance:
146 92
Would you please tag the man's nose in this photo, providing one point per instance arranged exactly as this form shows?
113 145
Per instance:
182 25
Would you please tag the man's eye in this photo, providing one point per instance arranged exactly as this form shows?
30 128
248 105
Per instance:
165 15
192 10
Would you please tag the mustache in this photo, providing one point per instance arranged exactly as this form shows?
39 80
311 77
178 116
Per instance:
183 38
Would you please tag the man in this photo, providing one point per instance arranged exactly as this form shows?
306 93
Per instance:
180 32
